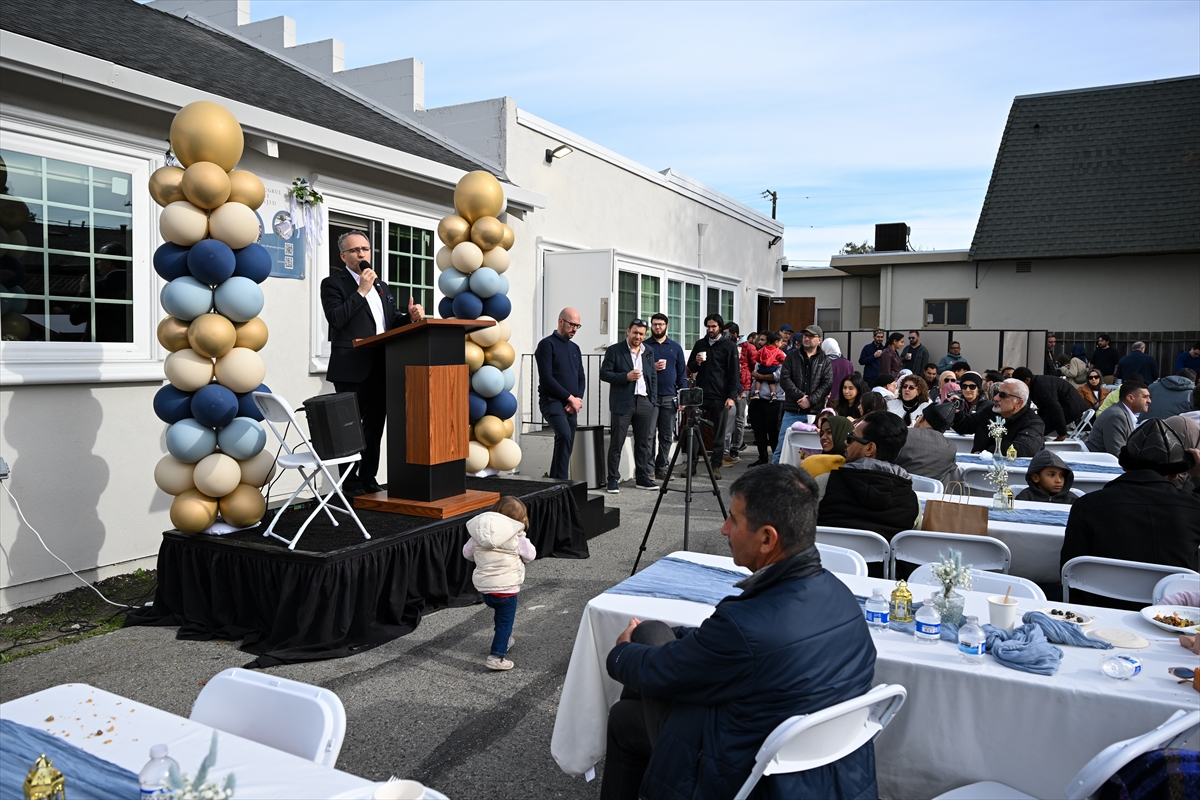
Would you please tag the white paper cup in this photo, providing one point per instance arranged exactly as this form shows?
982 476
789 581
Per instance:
661 364
1002 615
700 357
399 790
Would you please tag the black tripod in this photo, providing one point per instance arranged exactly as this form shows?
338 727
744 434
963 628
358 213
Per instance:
690 433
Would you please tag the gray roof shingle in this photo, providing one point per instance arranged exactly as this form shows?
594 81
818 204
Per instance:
1096 172
151 41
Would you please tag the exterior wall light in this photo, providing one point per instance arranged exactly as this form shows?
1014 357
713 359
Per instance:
558 152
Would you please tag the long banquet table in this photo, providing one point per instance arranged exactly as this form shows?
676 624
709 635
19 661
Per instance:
960 723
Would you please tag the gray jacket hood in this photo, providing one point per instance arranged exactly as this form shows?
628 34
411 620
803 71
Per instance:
878 466
1048 458
1177 383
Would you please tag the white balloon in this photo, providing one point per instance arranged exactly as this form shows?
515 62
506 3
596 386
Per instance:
496 258
467 257
442 259
505 330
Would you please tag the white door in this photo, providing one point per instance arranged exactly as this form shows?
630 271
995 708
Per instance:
582 279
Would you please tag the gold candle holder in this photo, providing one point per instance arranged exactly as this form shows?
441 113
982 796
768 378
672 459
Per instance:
44 782
901 604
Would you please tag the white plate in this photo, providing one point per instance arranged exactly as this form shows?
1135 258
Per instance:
366 792
1082 620
1150 612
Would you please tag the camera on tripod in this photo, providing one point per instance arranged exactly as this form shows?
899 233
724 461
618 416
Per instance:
691 398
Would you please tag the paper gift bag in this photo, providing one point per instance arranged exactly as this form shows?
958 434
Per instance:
955 516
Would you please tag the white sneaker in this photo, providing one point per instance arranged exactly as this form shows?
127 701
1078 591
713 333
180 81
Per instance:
499 663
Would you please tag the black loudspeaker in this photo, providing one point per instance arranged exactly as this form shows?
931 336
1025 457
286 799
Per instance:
334 426
891 237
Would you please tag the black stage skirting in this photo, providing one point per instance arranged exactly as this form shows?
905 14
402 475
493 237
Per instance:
337 594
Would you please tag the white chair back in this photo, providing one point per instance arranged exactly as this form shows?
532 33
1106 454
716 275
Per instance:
1178 728
1083 426
990 582
812 740
870 545
842 560
923 547
1132 581
298 718
1072 447
922 484
1179 582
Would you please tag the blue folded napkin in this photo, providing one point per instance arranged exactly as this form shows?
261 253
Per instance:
1030 647
676 579
87 777
1025 516
1023 463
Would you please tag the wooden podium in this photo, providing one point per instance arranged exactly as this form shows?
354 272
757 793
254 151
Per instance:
428 422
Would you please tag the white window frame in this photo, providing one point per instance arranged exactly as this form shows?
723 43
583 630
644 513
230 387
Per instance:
346 200
95 362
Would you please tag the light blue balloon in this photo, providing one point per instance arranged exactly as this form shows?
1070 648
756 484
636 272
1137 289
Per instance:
14 304
243 438
487 381
453 283
510 379
485 282
186 298
240 299
189 441
503 284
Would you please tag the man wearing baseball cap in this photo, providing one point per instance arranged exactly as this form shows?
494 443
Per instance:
806 379
787 332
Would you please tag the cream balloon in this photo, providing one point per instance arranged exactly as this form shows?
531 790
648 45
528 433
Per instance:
243 507
258 470
205 184
505 330
206 131
477 458
217 475
173 333
497 258
467 257
504 455
234 224
175 477
474 357
251 334
182 223
246 188
166 185
443 259
193 511
187 370
485 337
242 370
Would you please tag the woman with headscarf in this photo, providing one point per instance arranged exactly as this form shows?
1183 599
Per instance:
1093 391
1189 434
840 367
833 432
947 386
1075 368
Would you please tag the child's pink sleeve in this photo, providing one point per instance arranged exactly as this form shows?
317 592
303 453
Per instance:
525 549
469 550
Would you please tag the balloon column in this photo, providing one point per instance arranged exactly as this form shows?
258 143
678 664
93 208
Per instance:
472 265
213 265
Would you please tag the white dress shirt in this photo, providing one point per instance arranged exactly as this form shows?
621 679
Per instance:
639 388
375 304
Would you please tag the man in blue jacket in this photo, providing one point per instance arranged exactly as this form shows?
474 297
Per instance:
629 367
871 353
1138 361
699 702
561 384
671 366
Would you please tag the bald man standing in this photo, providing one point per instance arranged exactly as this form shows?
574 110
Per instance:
561 383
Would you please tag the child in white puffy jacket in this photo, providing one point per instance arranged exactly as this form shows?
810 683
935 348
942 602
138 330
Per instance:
500 550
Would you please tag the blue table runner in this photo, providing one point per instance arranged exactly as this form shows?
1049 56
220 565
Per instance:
87 776
676 579
1024 516
1023 463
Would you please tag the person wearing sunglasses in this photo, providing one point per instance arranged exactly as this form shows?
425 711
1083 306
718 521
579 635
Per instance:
1023 429
971 386
1093 391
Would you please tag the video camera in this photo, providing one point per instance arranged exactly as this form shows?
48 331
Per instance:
691 397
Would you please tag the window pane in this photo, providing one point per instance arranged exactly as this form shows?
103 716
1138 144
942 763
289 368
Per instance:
727 306
650 301
410 275
935 313
68 276
67 183
111 190
627 299
27 326
829 319
956 312
114 321
69 229
691 314
675 310
112 235
714 302
24 175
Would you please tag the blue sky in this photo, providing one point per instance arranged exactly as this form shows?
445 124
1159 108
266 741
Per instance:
855 113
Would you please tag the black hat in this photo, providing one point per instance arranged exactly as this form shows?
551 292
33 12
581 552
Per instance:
939 416
1154 446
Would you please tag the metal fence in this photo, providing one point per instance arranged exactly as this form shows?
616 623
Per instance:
593 412
1165 346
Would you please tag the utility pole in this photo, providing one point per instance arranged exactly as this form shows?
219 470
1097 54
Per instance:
774 199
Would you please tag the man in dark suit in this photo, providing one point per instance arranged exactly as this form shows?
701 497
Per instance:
357 305
629 367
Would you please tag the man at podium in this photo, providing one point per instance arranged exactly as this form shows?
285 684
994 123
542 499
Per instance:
357 305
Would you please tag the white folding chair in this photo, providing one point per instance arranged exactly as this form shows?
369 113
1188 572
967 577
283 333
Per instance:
983 581
813 740
297 718
868 544
842 560
1179 582
1083 426
1132 581
924 547
922 484
1172 734
276 411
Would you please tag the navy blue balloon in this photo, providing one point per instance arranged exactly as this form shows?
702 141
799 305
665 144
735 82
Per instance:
467 306
253 262
498 307
478 407
214 406
446 307
171 261
172 405
211 261
246 407
13 265
503 405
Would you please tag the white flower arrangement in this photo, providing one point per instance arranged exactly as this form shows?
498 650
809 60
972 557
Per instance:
950 572
996 429
181 787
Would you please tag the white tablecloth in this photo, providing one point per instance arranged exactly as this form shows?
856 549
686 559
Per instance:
262 772
973 476
960 723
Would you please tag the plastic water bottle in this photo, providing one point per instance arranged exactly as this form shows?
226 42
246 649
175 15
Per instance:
972 643
153 777
877 611
928 622
1120 666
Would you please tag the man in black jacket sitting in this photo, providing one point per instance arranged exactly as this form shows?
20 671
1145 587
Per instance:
1057 401
1023 429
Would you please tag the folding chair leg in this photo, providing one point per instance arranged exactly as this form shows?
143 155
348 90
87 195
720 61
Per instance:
271 528
337 487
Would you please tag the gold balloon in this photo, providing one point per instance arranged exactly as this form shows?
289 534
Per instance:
501 355
193 511
453 230
211 335
243 507
509 428
509 237
204 131
205 184
489 431
14 327
173 334
487 232
478 194
13 214
475 357
251 334
166 185
246 188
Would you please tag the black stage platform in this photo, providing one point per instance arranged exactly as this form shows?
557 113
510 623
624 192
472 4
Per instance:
336 593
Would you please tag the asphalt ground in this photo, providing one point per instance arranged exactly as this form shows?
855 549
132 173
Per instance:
424 706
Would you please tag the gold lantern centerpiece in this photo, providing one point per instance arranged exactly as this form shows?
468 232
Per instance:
44 782
901 604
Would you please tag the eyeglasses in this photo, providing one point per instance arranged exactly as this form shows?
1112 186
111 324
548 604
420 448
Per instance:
859 439
970 386
808 335
908 386
572 325
357 250
1003 395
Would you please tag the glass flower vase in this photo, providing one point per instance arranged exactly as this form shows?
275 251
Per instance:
950 606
